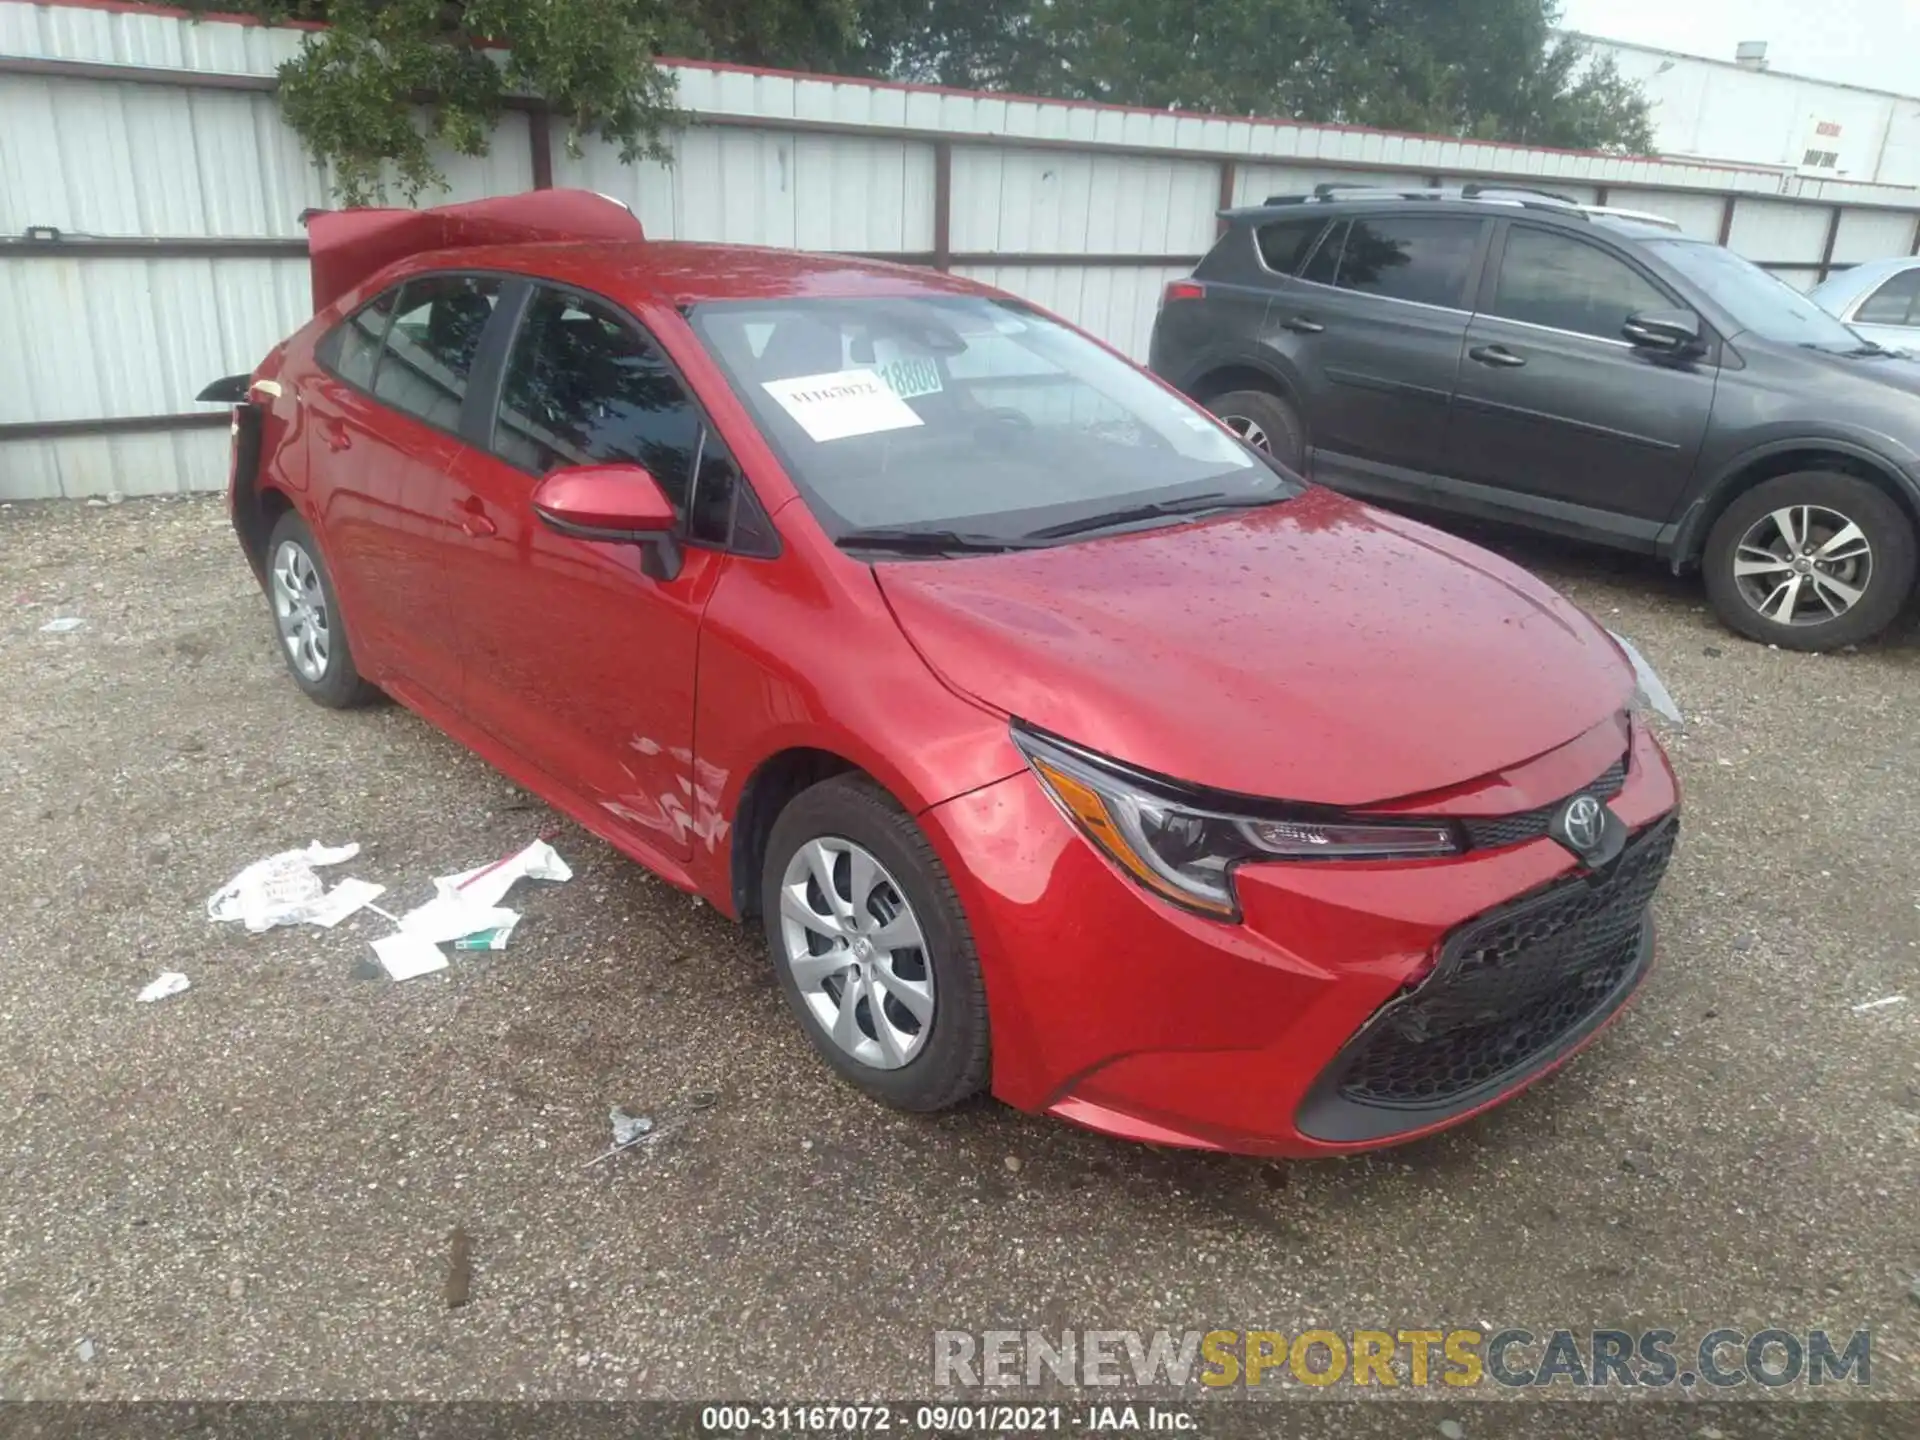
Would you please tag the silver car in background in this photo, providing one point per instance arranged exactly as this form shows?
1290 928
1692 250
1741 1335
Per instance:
1880 299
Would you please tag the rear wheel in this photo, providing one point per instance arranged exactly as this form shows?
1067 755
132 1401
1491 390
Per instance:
871 948
1266 422
306 614
1811 561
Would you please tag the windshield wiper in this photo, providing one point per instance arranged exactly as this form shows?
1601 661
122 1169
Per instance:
930 542
1184 506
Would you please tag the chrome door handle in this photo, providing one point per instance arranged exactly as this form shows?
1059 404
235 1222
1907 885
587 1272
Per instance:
1496 355
1301 325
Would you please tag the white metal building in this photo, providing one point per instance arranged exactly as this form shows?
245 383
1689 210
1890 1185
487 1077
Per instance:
151 198
1741 111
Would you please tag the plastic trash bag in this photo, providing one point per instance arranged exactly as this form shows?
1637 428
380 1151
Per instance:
280 890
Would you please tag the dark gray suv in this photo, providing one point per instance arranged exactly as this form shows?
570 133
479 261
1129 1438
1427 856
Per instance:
1516 357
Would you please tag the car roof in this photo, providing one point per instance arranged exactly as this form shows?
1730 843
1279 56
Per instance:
1845 285
679 272
1567 216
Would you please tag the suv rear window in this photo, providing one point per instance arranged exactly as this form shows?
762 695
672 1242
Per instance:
1427 259
1284 243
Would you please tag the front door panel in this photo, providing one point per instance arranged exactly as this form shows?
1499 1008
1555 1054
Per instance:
1579 419
574 657
1554 405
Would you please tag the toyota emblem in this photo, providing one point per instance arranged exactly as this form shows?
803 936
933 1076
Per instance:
1583 823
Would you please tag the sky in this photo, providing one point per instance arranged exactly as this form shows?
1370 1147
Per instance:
1875 43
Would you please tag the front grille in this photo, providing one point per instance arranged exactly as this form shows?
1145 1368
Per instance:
1510 990
1493 831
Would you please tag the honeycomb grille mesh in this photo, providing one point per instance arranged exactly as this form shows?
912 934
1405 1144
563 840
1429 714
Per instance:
1491 832
1509 987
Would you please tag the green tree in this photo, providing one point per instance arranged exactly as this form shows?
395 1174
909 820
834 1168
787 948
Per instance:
387 80
1489 69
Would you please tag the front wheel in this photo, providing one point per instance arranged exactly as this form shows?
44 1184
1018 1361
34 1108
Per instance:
1811 561
1266 422
871 947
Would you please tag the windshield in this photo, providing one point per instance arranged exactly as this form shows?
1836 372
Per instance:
968 414
1762 304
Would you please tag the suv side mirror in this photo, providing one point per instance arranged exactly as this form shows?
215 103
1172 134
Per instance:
622 503
1674 332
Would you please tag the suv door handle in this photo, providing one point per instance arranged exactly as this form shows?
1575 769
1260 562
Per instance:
337 436
473 519
1301 325
1496 355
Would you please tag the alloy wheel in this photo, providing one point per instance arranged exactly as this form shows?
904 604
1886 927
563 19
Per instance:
1803 565
1249 431
300 607
856 952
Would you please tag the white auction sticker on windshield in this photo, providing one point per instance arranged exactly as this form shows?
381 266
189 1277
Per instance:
841 404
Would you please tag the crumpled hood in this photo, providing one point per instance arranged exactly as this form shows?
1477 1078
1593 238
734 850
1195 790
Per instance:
1317 650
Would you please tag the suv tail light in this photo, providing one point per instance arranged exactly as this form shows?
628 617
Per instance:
1183 290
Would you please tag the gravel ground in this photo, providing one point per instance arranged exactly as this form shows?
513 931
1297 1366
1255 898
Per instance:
248 1190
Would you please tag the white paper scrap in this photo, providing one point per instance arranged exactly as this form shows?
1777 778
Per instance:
405 956
171 982
62 626
488 884
841 403
341 901
1879 1004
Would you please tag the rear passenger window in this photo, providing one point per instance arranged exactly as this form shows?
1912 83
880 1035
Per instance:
1567 284
1895 303
1427 259
585 387
431 345
1285 242
350 349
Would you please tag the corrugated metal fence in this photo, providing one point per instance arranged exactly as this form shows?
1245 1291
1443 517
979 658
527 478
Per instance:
153 194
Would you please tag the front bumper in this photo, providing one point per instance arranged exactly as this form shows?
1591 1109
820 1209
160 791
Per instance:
1318 1024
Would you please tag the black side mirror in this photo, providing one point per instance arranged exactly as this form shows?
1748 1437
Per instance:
1672 332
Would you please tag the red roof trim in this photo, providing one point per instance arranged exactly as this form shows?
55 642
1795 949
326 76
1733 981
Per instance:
136 7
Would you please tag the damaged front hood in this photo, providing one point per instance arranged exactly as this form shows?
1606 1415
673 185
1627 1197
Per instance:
1316 650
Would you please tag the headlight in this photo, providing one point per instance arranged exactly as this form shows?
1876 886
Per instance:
1185 849
1649 690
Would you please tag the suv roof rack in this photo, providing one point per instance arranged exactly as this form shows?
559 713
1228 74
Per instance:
1480 190
1645 217
1331 191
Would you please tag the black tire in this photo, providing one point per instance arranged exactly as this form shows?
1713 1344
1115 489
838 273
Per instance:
1884 577
336 681
1273 417
952 1060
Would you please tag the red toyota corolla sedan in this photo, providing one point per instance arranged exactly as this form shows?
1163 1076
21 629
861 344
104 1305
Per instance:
1061 745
